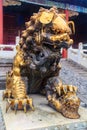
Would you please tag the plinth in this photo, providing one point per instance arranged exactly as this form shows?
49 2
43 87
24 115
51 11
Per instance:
43 118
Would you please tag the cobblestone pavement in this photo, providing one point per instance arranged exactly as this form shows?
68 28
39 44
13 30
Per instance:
72 73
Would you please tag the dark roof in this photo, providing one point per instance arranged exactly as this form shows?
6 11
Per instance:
75 5
82 3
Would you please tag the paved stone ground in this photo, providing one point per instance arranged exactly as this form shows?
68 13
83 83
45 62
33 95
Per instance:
72 73
43 118
2 124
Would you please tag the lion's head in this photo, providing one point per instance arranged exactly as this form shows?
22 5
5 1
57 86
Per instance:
47 28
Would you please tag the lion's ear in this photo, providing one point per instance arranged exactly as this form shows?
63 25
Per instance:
46 17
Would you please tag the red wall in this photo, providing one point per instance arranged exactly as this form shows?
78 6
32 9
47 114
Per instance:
10 29
1 22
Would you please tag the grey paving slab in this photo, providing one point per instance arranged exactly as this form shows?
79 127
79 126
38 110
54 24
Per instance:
72 73
2 123
43 118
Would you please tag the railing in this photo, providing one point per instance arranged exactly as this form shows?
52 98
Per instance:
77 55
8 51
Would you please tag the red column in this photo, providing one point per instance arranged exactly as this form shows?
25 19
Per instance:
1 21
64 52
67 14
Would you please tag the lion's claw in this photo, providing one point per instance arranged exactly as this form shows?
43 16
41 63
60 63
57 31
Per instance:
65 88
6 94
19 104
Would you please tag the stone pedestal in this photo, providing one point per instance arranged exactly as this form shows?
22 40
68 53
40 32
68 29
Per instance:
43 118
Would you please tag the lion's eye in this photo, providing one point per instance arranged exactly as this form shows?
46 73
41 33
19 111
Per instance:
41 54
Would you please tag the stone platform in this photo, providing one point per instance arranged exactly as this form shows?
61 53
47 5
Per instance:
43 118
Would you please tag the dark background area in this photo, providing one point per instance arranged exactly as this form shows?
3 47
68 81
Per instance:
80 28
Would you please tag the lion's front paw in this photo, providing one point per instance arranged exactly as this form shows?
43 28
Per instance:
20 104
